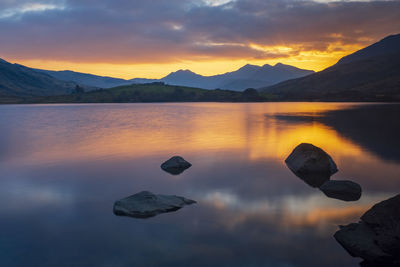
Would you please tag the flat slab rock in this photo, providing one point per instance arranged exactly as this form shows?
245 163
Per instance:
376 238
342 189
175 165
146 204
311 164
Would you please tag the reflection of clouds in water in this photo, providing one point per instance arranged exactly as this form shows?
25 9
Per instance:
18 196
64 166
291 210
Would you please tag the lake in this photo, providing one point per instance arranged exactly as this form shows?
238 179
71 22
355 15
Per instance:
62 167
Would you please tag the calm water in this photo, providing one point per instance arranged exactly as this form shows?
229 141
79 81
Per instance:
63 166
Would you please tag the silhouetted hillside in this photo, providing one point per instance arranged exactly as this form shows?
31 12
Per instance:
86 79
370 74
17 80
372 126
151 92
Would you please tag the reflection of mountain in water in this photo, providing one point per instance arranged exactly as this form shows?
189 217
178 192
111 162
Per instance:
375 127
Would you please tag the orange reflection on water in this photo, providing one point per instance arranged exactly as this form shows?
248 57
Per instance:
245 133
140 130
277 142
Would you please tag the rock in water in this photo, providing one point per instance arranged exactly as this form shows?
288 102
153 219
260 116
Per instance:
175 165
358 240
146 204
384 219
376 238
343 190
311 164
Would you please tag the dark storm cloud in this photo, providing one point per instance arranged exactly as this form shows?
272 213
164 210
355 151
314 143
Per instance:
163 31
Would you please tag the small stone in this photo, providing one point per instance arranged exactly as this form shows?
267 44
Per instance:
175 165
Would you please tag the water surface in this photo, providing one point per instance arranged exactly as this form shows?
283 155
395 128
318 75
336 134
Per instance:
63 166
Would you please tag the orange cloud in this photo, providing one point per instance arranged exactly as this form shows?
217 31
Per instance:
148 39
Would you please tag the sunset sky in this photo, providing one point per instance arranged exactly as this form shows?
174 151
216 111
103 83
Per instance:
149 39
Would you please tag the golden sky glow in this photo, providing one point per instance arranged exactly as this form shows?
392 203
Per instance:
147 39
312 60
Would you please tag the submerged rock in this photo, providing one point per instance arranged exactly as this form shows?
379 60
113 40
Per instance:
311 164
343 190
376 238
175 165
146 204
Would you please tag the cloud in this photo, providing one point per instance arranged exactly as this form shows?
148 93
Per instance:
122 31
28 7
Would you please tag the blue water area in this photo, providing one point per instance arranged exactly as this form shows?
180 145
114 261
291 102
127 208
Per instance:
62 167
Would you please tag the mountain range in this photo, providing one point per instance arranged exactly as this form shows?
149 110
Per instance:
370 74
18 80
249 76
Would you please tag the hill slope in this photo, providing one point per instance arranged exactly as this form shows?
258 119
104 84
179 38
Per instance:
17 80
370 74
151 92
86 79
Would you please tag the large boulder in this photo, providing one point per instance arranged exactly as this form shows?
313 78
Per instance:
343 190
146 204
175 165
376 238
359 241
384 219
311 164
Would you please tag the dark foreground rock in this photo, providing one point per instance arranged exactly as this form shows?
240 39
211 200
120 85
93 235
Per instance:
311 164
343 190
175 165
146 204
376 238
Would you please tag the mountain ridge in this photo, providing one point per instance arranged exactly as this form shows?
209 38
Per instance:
248 76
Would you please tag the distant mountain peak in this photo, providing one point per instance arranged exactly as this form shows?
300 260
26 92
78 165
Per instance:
281 66
181 73
184 71
182 77
245 69
248 76
250 66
